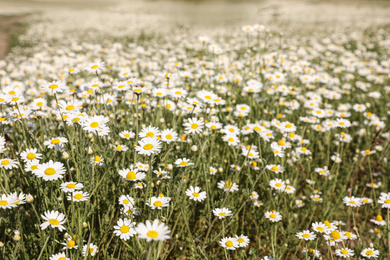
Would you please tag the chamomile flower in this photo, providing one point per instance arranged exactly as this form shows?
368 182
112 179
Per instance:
195 194
168 135
124 229
149 132
30 154
158 202
59 256
275 168
8 201
311 252
384 199
229 243
127 134
242 240
78 196
277 184
126 201
273 216
193 126
378 220
8 164
319 227
152 231
306 235
148 146
95 67
70 243
56 143
370 253
71 186
132 174
344 252
183 162
54 87
228 186
90 249
352 201
231 139
31 166
222 212
50 171
54 219
120 148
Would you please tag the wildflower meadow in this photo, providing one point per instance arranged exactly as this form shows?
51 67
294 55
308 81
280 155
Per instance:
248 145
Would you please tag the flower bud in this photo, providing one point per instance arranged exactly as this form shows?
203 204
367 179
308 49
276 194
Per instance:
169 167
90 135
1 244
17 237
65 155
29 198
220 169
85 224
194 148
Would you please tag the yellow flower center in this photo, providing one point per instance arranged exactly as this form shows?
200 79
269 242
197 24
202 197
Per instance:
150 134
50 171
148 146
369 252
229 243
387 201
5 162
335 235
281 143
95 67
274 168
195 194
30 156
94 124
131 175
3 202
53 221
78 196
272 215
379 218
71 243
305 235
320 228
278 185
55 141
53 86
125 229
222 214
70 107
240 240
344 251
152 234
194 126
157 203
71 186
288 125
184 163
119 148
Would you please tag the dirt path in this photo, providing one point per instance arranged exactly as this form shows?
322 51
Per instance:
7 25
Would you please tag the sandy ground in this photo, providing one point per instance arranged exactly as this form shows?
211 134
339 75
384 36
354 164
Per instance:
56 18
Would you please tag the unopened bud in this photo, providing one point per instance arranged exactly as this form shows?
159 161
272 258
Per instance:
170 167
90 151
85 224
1 244
90 135
177 148
194 148
17 237
65 155
29 198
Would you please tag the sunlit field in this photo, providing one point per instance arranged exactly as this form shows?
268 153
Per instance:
246 144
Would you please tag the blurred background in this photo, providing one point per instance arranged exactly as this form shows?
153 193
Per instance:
60 20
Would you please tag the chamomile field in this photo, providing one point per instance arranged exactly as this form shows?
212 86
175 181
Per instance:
243 143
